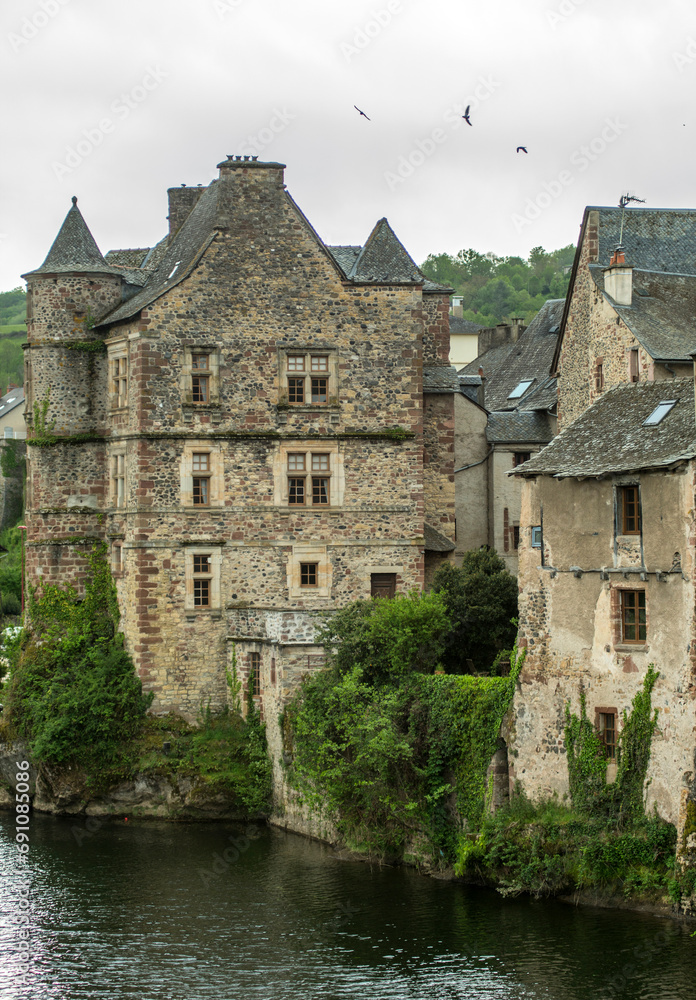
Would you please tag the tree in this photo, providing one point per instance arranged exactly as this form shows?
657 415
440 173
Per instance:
481 599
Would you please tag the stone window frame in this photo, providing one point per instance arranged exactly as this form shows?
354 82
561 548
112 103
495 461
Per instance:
116 354
215 475
308 554
117 564
214 553
212 351
118 473
335 474
285 373
599 374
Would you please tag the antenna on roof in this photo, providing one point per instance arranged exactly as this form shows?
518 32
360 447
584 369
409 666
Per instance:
623 201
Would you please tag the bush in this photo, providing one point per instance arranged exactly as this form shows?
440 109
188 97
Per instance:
481 601
73 692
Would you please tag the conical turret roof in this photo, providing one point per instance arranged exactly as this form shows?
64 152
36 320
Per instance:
74 250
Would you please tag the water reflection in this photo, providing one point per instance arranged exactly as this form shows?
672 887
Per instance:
156 911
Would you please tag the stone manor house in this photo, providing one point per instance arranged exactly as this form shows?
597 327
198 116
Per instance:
260 426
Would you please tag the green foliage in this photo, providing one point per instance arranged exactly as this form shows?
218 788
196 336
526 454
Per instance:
42 428
481 600
547 848
73 692
387 638
13 307
10 462
391 753
10 572
623 800
497 288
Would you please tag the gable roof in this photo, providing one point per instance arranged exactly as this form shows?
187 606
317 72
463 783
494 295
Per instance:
384 258
609 437
460 325
11 400
74 249
654 239
662 314
528 359
518 427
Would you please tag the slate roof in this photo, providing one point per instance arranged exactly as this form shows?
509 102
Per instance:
518 427
609 437
74 249
530 357
657 239
11 400
127 258
662 314
182 253
440 379
460 325
384 258
435 541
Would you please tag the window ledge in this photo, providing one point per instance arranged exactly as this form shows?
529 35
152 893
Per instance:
306 407
631 647
193 613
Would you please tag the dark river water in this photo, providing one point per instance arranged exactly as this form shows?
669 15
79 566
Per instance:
155 910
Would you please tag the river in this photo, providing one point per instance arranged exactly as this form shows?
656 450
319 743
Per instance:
157 911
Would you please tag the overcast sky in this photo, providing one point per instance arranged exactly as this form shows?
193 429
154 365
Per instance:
117 101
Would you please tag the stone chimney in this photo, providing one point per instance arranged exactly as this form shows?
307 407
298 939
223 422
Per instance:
458 306
618 278
503 333
181 203
251 194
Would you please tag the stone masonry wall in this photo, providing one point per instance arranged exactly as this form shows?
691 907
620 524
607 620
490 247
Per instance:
570 625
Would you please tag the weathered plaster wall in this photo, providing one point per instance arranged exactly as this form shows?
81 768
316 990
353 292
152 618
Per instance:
569 623
470 447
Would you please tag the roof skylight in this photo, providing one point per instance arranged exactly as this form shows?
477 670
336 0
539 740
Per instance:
520 388
173 271
660 412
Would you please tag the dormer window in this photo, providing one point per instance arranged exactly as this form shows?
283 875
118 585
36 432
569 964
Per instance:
660 412
520 388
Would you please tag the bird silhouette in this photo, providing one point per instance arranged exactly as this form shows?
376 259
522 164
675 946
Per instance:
361 112
465 116
522 149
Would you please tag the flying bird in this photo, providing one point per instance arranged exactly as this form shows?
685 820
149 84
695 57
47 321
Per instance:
361 112
465 116
521 149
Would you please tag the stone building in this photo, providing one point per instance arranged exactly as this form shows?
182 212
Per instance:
504 413
14 432
611 586
259 425
629 312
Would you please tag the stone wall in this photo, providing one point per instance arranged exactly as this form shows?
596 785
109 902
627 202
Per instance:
570 626
470 449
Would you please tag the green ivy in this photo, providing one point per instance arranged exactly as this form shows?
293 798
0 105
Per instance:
623 800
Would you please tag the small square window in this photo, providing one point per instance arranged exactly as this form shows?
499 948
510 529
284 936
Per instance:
296 363
320 363
320 463
200 461
200 362
383 585
519 457
536 536
296 463
308 574
520 388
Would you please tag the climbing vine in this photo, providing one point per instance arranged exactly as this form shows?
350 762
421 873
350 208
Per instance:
42 428
623 800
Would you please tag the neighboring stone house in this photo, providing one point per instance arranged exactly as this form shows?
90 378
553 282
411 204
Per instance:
261 427
608 584
504 413
14 432
630 309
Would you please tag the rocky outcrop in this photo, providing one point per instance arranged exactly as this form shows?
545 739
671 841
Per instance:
65 791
